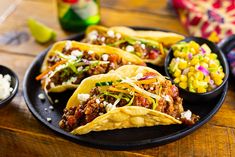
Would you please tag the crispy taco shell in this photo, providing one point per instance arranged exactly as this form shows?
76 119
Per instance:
128 35
166 38
126 58
120 117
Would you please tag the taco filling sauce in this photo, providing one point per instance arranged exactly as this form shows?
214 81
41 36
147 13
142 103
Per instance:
140 48
143 90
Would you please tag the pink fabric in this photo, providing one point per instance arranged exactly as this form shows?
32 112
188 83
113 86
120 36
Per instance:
212 19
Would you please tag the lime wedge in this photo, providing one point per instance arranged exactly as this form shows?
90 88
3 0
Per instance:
40 32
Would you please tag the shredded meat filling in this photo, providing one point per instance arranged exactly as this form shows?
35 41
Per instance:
96 105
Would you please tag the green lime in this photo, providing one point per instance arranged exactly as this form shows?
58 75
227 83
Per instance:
40 32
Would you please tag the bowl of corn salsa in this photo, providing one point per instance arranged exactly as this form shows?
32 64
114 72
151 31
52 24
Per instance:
198 67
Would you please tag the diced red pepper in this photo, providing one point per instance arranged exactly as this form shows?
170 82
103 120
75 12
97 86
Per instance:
113 57
153 54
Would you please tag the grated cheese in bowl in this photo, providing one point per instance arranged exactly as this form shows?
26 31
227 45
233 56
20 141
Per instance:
5 86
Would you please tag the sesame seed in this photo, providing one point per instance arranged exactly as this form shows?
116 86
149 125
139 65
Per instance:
56 100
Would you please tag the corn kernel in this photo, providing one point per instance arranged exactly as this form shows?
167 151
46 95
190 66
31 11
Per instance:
194 45
194 61
207 79
217 62
183 85
221 75
206 59
190 74
218 81
191 69
195 83
182 64
199 76
201 90
176 53
177 73
212 64
176 80
212 56
214 75
183 78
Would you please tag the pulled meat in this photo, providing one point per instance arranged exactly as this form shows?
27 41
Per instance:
64 75
97 103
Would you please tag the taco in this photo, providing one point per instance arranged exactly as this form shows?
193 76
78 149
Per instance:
131 96
150 47
65 66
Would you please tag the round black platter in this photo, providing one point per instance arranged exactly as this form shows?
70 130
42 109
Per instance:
133 138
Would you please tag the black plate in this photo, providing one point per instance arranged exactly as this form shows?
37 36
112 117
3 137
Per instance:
132 138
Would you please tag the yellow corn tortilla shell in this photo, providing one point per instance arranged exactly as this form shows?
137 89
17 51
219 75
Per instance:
127 57
58 46
122 117
126 117
166 38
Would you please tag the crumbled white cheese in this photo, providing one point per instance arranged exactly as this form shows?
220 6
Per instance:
105 57
142 46
90 52
49 119
5 86
80 68
187 115
105 103
118 35
110 33
45 109
83 97
102 39
68 45
93 35
76 53
71 80
56 101
41 96
97 101
109 107
51 107
72 57
130 48
139 76
167 98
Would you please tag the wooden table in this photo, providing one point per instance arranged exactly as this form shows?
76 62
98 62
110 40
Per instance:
22 135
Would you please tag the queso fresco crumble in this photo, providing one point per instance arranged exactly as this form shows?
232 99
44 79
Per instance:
5 86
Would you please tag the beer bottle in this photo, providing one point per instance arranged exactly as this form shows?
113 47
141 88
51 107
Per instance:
76 15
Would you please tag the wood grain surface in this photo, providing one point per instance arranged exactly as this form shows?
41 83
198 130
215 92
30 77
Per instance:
22 135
